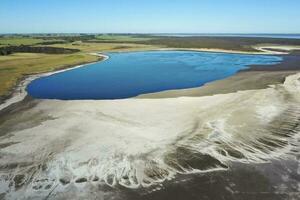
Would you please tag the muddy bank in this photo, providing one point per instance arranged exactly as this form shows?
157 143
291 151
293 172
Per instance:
63 147
256 77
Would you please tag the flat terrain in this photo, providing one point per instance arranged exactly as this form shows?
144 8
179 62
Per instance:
105 47
18 41
256 77
226 43
16 66
246 131
6 41
87 149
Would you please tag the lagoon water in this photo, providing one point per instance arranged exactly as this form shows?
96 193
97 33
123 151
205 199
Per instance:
126 75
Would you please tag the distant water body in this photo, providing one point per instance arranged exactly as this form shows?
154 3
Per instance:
126 75
283 36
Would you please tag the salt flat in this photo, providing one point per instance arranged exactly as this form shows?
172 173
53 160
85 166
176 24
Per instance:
141 142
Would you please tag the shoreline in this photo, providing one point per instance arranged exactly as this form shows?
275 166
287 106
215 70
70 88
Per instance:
54 132
18 93
262 50
254 77
220 51
274 48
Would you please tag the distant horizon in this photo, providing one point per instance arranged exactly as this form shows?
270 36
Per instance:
132 33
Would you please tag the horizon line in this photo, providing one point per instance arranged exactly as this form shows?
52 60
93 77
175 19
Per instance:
150 33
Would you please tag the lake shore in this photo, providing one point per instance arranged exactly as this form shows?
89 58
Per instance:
212 50
255 77
251 80
112 144
18 93
136 147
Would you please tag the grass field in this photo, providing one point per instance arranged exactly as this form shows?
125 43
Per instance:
121 38
225 43
19 41
16 41
15 67
105 47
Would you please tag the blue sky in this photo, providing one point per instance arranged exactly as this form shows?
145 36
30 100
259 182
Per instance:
150 16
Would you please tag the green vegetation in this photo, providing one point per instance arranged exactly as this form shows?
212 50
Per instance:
37 50
21 40
120 38
47 53
105 47
14 67
225 43
6 41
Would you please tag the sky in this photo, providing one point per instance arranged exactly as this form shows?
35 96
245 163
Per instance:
149 16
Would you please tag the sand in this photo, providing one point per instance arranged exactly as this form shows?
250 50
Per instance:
249 80
276 49
255 77
52 147
261 50
19 92
138 142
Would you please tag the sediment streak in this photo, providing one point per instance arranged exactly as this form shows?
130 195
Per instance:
141 142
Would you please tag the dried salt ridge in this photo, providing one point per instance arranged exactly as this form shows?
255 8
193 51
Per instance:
57 145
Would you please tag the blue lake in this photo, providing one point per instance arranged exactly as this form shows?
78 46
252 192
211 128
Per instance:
126 75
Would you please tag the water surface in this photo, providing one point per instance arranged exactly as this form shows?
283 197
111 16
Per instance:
126 75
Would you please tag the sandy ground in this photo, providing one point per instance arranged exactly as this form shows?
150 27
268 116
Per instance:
277 49
159 148
19 92
262 50
256 77
56 145
249 80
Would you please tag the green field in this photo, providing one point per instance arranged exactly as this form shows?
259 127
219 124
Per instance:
19 41
225 43
15 66
15 41
121 38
